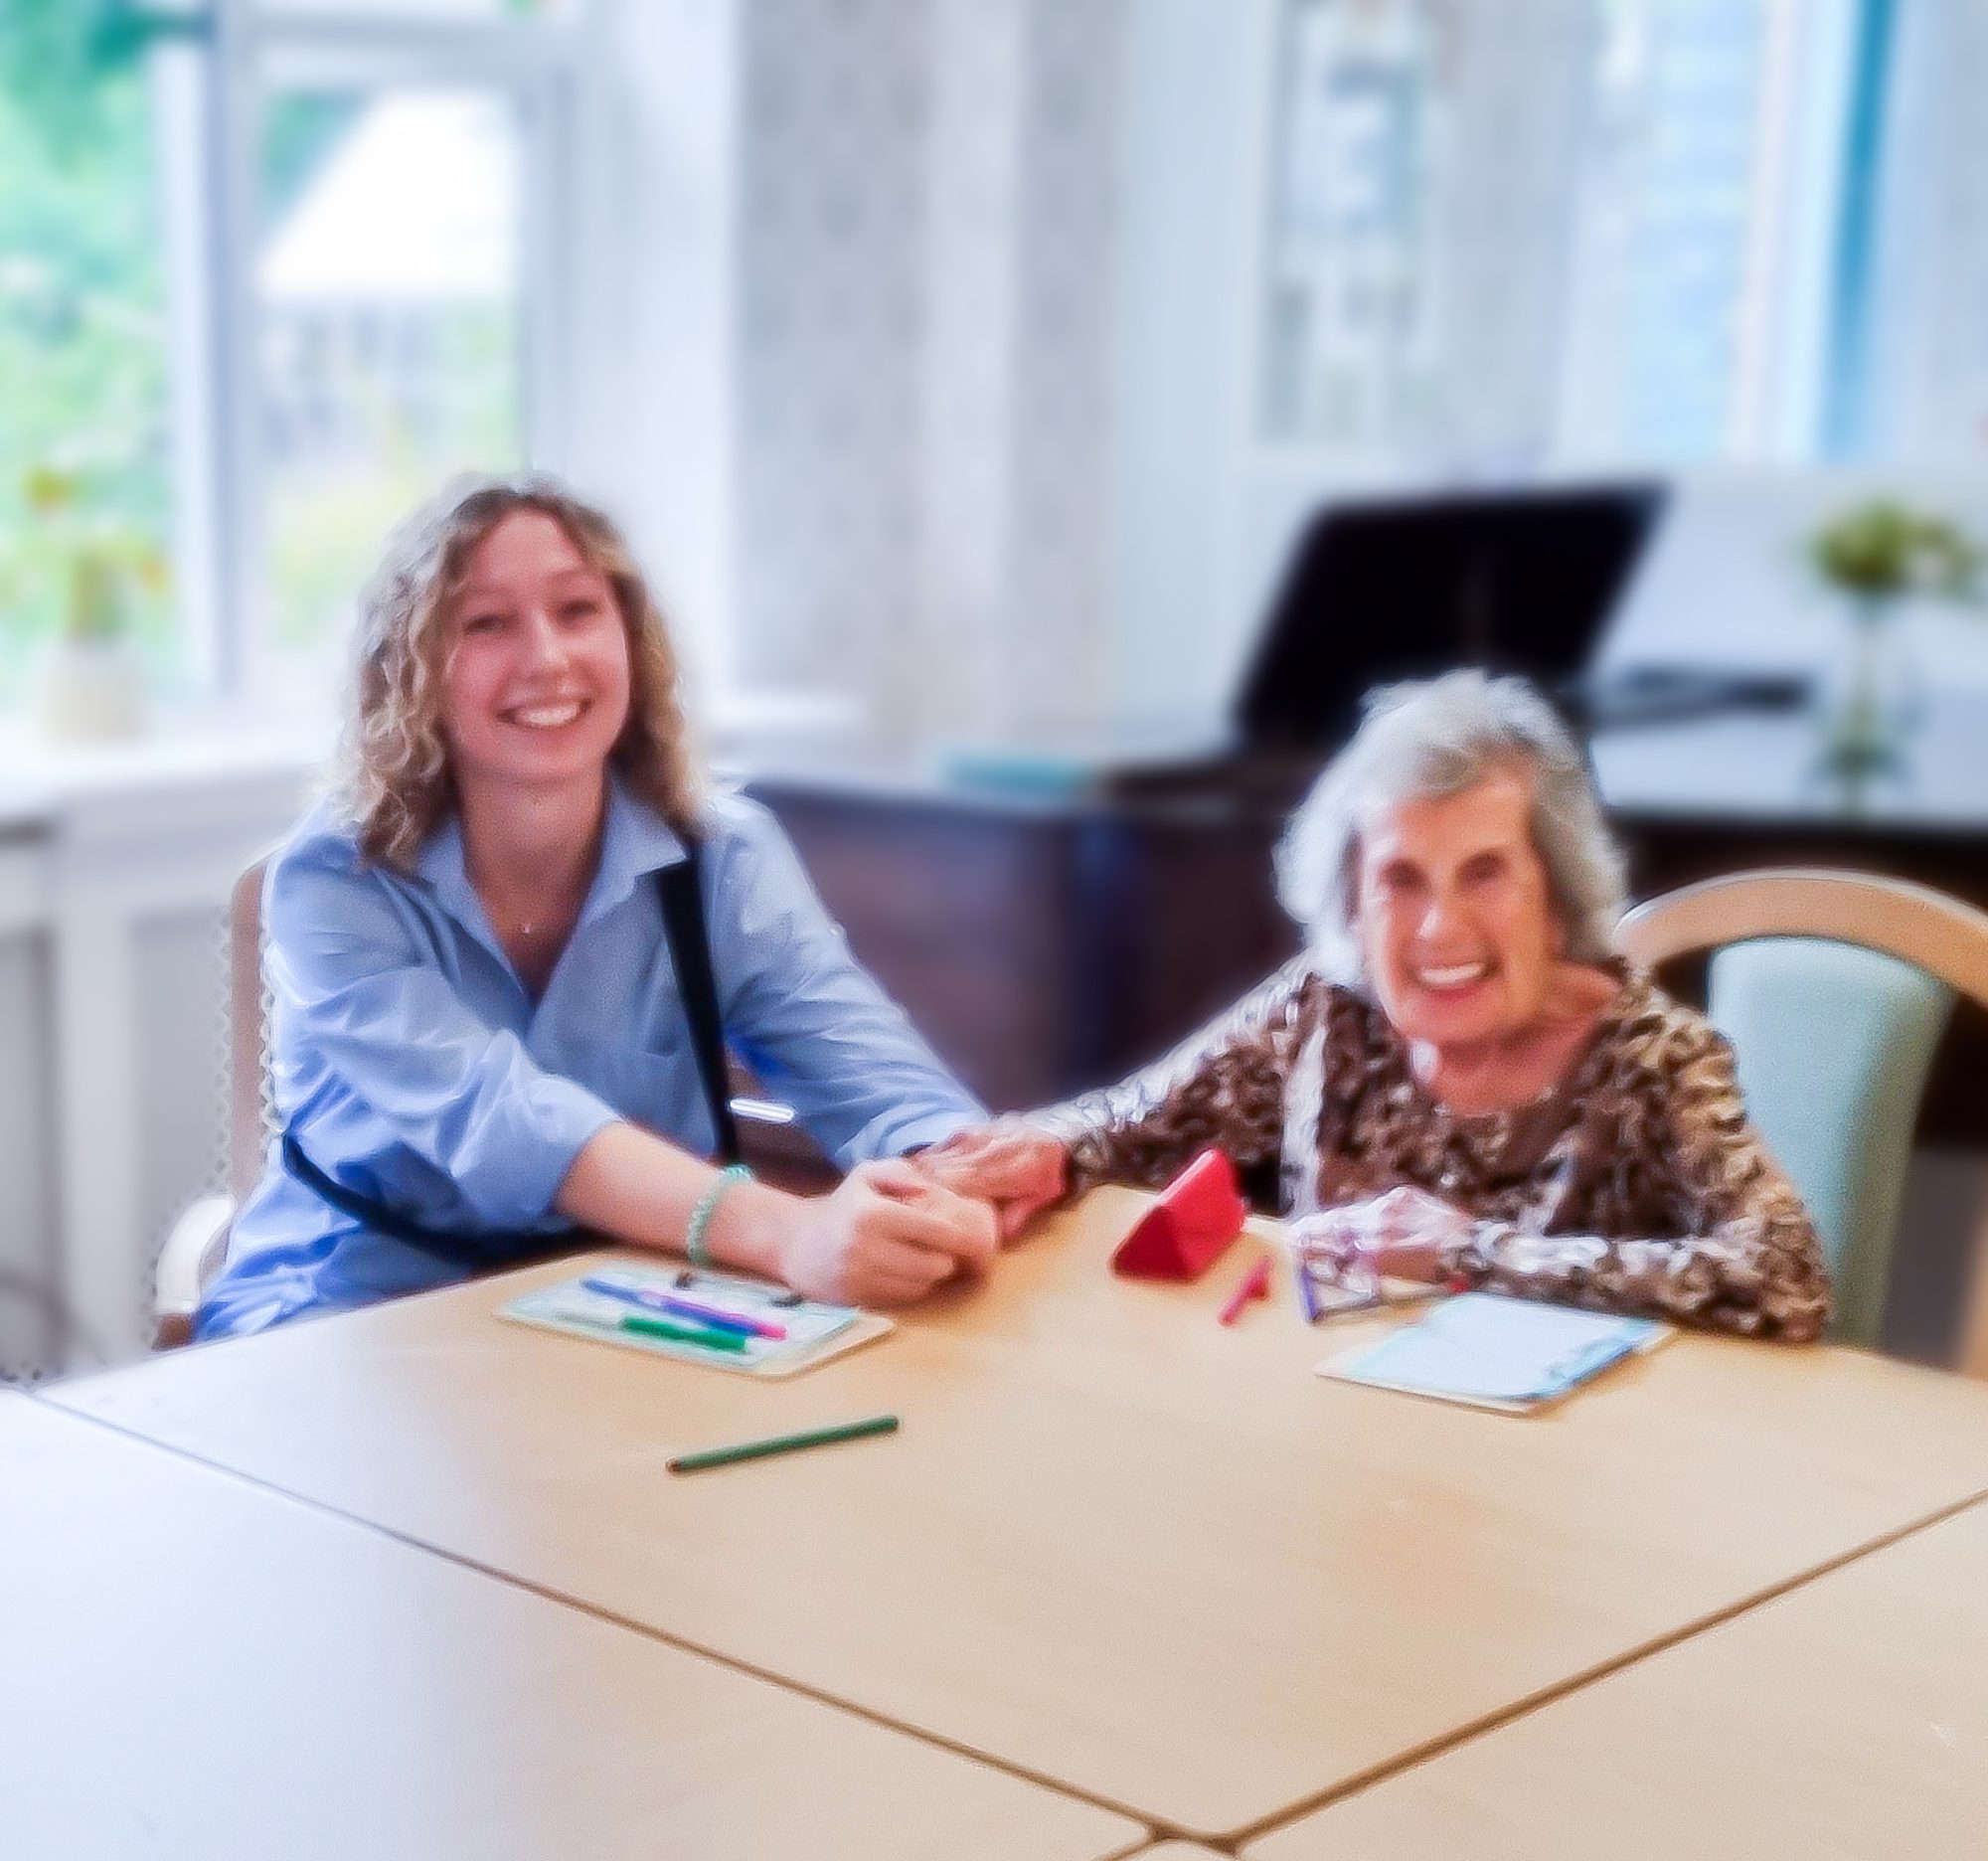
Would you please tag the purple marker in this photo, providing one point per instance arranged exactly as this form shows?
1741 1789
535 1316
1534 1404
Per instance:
688 1309
1308 1293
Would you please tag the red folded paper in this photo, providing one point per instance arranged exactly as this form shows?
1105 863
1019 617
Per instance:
1190 1226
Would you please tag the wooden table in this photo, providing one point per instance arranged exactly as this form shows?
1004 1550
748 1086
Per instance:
193 1666
1115 1546
1846 1718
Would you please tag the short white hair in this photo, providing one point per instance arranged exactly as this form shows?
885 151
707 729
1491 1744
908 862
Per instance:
1438 737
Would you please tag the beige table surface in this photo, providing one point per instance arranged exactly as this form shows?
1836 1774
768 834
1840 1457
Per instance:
1846 1718
1115 1545
192 1666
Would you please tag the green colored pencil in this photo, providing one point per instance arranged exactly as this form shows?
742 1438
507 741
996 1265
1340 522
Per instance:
783 1444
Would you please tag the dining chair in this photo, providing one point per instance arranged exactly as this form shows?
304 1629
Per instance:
1834 989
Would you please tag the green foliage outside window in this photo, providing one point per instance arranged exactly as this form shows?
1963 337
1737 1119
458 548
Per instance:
83 352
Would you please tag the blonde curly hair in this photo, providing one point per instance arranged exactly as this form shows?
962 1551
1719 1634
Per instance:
394 780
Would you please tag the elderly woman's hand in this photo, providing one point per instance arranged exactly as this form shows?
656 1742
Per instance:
1406 1234
1018 1170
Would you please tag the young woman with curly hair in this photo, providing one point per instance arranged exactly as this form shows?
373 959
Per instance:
481 1042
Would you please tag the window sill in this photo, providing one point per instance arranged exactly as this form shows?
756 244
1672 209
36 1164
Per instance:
181 757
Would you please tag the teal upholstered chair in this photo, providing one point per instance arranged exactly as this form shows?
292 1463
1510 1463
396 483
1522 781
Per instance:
1834 989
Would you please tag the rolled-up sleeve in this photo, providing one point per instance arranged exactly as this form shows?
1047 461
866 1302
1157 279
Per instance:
808 1018
1223 1086
360 1001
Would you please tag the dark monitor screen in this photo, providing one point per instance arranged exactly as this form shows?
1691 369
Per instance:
1512 581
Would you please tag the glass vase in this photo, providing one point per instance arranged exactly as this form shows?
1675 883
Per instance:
1872 699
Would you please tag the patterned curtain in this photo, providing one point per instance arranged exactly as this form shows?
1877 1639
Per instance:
925 270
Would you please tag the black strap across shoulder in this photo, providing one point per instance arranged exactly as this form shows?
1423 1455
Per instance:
680 891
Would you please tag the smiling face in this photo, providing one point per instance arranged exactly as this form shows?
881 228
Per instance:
1455 914
536 686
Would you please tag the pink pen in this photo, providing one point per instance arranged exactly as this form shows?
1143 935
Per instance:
1254 1287
718 1315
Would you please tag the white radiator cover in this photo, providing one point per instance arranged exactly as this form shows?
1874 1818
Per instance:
114 878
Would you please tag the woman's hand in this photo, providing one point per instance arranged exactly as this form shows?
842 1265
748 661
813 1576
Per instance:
1018 1170
886 1236
1406 1234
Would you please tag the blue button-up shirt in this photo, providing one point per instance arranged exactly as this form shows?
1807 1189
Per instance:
412 1065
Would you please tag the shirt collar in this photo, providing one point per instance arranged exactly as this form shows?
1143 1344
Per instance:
634 841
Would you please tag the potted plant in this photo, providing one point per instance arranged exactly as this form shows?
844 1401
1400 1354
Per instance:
1876 556
90 683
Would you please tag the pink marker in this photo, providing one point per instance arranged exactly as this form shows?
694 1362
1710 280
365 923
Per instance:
1255 1286
725 1320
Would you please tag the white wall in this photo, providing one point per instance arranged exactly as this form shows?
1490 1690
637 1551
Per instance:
651 243
1192 122
114 874
1726 581
28 1240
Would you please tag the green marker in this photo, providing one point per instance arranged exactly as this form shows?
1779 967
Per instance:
710 1338
783 1444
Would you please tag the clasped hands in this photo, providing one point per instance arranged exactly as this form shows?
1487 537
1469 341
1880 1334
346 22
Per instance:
897 1228
1017 1172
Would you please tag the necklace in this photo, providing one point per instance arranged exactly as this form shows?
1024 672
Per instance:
527 928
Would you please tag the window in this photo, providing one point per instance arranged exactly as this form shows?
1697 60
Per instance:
394 292
1703 274
1604 230
85 400
387 346
269 273
1352 346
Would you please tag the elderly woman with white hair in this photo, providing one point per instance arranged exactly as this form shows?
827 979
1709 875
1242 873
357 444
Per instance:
1461 1082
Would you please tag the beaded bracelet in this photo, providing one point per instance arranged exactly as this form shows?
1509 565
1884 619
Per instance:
707 1207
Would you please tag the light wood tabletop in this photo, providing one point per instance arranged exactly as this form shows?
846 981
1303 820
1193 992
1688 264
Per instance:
1846 1718
192 1666
1115 1545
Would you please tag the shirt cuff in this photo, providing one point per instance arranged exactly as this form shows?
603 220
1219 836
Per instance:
895 1136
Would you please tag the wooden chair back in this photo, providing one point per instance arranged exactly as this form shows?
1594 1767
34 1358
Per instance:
1937 933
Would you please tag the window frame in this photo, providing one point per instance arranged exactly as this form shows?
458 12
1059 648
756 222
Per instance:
213 222
1800 281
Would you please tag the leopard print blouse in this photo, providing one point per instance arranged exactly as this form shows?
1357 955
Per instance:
1636 1185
